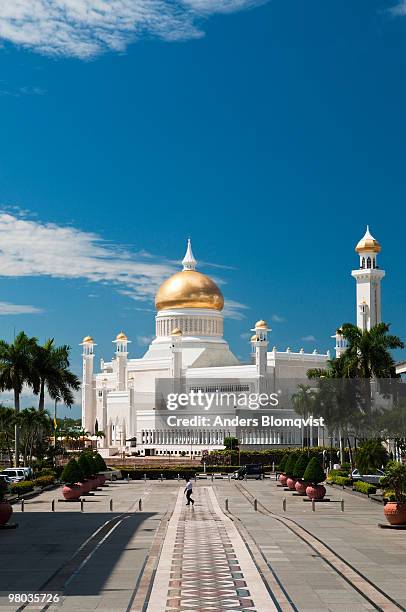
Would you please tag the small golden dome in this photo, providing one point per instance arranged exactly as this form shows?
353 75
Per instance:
254 337
176 332
368 244
189 289
121 336
88 340
261 324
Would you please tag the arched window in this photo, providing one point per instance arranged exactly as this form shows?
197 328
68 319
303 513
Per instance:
363 262
369 262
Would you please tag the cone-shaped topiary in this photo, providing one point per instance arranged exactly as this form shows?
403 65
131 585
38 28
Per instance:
282 464
300 465
314 472
72 472
290 464
86 465
100 463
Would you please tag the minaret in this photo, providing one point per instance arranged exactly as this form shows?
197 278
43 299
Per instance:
121 343
259 342
176 357
341 343
88 403
368 278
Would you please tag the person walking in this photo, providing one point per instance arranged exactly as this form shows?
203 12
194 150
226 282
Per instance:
188 490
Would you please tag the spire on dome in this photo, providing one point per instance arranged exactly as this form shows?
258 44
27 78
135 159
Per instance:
189 262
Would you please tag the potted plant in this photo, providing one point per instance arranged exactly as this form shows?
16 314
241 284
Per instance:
101 467
72 476
6 509
395 480
93 469
86 468
298 472
289 468
282 476
315 475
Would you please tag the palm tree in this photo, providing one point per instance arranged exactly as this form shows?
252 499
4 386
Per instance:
52 373
35 427
303 403
15 371
7 422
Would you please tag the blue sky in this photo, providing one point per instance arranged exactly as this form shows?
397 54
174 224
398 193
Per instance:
271 133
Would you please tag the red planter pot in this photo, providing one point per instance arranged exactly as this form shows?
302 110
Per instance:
6 511
315 491
301 487
94 483
72 491
395 513
86 486
291 483
282 479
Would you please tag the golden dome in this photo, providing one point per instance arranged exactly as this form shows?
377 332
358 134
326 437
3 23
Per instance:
189 289
121 336
254 337
368 244
88 340
176 332
261 324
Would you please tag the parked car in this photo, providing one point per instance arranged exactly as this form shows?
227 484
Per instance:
15 474
6 479
254 470
374 478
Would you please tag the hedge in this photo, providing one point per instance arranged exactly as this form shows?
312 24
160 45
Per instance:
341 480
172 472
265 457
365 487
24 486
44 481
333 473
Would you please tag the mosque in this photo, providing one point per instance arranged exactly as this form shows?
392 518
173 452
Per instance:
126 398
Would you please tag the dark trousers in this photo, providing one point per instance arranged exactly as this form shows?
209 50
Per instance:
189 498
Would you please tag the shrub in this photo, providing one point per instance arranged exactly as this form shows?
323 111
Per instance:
44 481
45 472
395 479
343 481
72 472
3 489
314 472
100 463
371 455
282 464
86 464
25 486
333 473
365 487
300 465
290 464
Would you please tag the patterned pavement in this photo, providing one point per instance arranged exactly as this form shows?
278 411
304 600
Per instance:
209 566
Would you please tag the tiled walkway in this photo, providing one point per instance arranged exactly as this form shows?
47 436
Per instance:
204 563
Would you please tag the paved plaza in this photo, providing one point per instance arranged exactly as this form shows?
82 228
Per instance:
153 553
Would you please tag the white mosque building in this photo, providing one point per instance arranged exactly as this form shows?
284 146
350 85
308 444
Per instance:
190 352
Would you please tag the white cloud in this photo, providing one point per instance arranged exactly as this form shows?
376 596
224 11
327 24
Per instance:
277 319
144 340
399 9
234 310
32 248
85 28
309 338
15 309
246 335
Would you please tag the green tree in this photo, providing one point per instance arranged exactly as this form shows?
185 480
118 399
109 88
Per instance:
300 465
303 403
371 455
231 443
52 374
72 472
100 463
314 472
290 464
86 465
16 370
35 427
7 422
282 464
395 480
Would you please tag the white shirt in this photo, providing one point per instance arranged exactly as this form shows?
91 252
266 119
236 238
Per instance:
188 486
